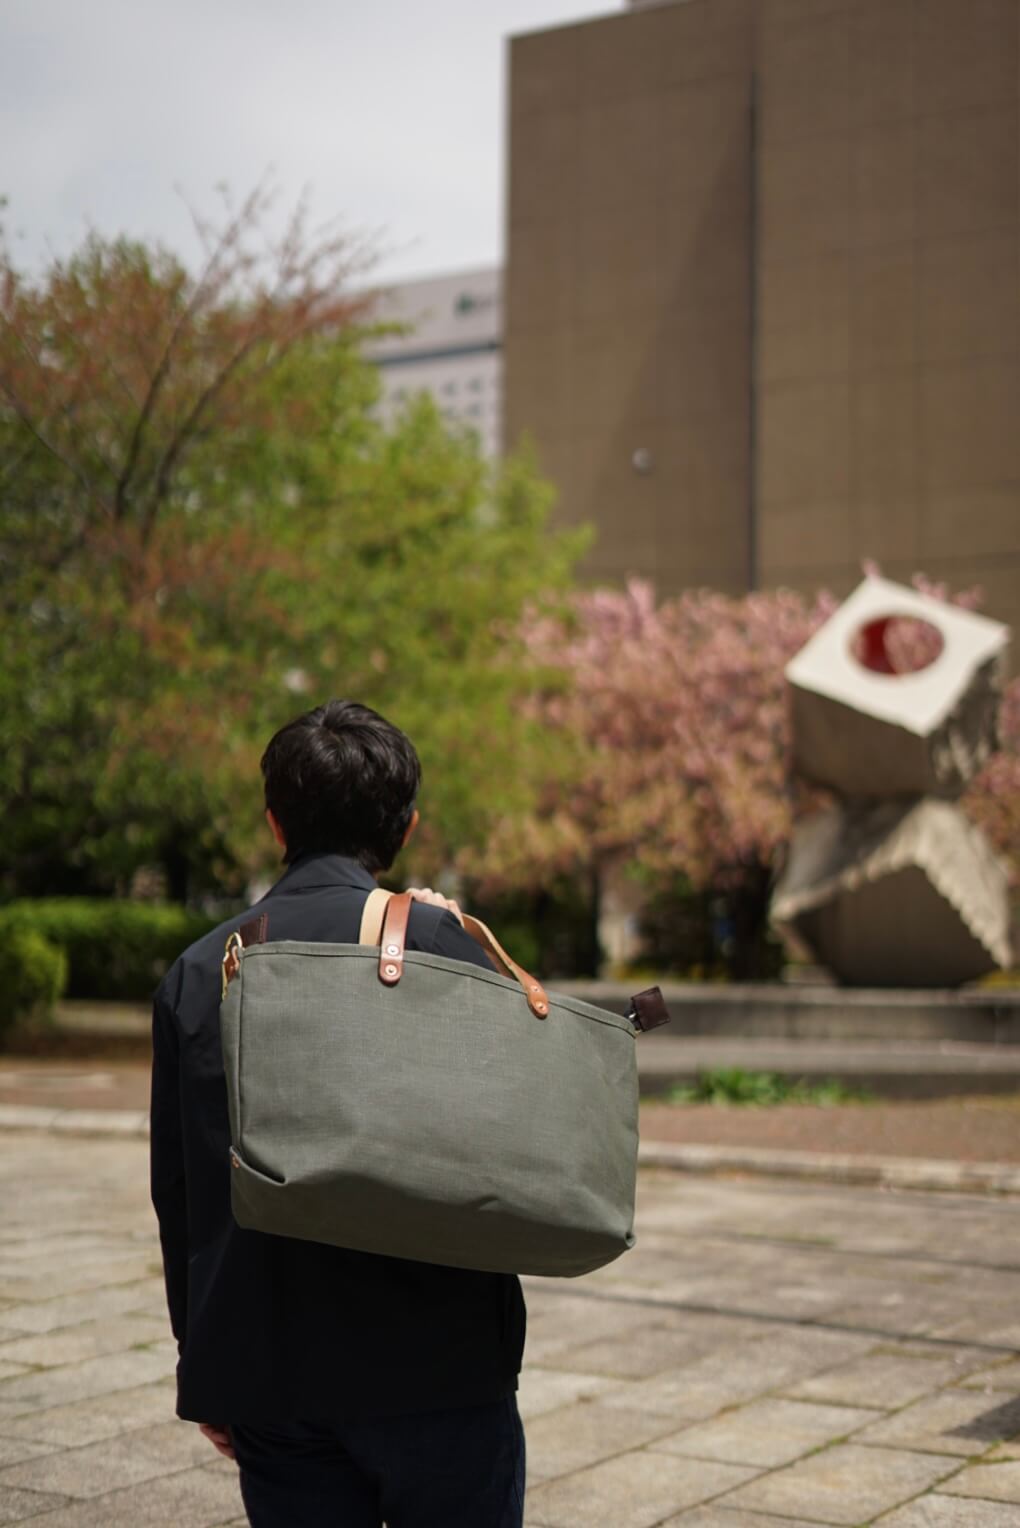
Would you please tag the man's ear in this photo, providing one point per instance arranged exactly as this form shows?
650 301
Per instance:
276 830
415 819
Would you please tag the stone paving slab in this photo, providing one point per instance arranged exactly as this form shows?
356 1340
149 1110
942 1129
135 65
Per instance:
999 1481
727 1517
890 1375
636 1490
730 1376
194 1498
769 1432
846 1484
90 1339
646 1351
101 1416
771 1355
144 1453
942 1512
543 1390
573 1437
961 1422
1001 1376
14 1450
16 1506
40 1389
142 1295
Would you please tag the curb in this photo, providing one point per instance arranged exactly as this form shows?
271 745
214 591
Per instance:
927 1173
94 1122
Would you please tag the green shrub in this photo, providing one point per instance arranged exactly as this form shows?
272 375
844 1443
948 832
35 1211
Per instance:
733 1085
115 950
33 973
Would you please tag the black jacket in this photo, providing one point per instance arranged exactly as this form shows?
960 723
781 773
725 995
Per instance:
270 1328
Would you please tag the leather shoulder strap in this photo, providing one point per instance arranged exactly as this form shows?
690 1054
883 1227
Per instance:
372 916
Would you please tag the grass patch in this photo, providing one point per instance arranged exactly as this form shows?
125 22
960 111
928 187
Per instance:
734 1085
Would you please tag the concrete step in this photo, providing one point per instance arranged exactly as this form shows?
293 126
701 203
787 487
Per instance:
796 1011
889 1069
893 1044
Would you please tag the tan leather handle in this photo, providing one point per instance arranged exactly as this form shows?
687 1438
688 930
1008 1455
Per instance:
372 916
392 938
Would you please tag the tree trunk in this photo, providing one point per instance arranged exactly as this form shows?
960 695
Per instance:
177 869
593 954
749 909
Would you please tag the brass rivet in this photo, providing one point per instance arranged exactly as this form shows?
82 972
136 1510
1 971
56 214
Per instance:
390 970
393 949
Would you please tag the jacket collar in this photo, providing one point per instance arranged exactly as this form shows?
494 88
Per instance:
314 869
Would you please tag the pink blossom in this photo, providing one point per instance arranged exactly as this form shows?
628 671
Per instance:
676 713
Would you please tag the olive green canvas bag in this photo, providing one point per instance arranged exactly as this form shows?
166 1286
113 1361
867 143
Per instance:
398 1102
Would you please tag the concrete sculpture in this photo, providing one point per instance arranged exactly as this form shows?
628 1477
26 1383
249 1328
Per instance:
893 886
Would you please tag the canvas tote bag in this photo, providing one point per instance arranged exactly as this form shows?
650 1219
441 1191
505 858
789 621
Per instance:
398 1102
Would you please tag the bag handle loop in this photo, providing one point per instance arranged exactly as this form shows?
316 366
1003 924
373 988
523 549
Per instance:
538 1002
384 922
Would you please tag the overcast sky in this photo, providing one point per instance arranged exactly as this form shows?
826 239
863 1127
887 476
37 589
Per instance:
389 111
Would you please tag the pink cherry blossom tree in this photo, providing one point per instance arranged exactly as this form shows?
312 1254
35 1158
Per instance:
672 732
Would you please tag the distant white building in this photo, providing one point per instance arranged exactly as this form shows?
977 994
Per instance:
453 351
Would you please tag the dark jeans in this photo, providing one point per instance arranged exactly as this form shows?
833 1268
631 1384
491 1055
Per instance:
435 1469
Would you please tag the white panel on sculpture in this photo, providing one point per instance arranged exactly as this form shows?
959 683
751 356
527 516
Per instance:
870 733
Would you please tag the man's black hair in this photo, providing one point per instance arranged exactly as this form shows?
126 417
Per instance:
342 780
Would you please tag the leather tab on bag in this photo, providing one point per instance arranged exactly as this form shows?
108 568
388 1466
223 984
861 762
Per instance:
394 939
255 931
648 1010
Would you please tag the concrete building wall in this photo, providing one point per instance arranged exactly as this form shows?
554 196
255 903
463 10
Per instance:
888 377
628 285
806 313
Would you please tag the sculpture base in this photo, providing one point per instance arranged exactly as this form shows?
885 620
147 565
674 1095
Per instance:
903 894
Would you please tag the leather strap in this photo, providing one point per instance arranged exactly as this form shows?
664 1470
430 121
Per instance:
396 935
538 1002
394 938
372 916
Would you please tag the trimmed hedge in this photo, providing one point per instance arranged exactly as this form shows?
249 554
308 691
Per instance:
114 949
33 974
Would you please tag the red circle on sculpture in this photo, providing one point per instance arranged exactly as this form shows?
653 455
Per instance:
896 644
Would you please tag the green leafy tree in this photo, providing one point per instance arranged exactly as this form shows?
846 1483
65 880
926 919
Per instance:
204 530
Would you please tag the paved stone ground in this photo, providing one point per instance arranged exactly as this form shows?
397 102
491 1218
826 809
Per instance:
770 1356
